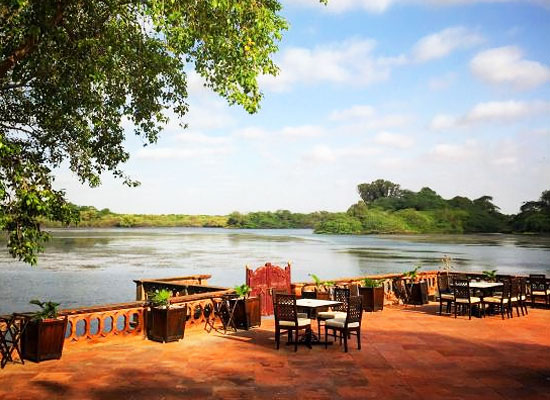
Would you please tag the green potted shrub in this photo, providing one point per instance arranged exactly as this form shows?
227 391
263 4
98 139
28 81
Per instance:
321 287
372 291
490 275
44 336
166 322
417 288
247 310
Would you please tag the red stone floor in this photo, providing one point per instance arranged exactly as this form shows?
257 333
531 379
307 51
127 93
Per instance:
408 353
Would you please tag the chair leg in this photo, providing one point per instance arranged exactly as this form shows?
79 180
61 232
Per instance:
277 337
345 334
440 307
296 341
359 339
469 311
326 337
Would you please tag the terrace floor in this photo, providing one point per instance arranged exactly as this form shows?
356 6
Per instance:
408 353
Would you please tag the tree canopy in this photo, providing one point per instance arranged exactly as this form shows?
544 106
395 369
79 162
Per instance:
71 72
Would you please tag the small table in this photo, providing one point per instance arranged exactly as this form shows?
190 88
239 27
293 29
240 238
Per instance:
314 304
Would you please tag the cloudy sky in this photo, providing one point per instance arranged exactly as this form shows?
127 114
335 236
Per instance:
450 94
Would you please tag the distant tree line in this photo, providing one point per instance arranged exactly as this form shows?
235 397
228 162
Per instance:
384 208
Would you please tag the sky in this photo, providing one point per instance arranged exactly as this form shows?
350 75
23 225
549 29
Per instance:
449 94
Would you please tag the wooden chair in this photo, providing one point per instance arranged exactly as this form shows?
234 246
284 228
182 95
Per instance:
523 295
503 300
444 292
351 324
463 297
11 330
342 295
539 288
286 319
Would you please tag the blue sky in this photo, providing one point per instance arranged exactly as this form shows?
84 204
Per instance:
454 95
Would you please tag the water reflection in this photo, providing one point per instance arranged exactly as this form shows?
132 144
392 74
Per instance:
93 266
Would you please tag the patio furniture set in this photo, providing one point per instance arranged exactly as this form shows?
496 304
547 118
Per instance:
484 298
295 316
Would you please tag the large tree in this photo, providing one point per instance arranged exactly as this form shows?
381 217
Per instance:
71 71
378 189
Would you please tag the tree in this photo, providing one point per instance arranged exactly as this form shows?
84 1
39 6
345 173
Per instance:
72 71
379 188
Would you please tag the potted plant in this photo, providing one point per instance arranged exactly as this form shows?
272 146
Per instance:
247 309
418 289
44 335
166 322
321 287
490 275
372 291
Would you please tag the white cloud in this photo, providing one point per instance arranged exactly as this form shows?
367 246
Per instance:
326 154
492 111
447 151
302 131
167 153
505 110
348 62
442 121
441 44
190 137
394 140
359 111
251 133
442 82
360 118
505 65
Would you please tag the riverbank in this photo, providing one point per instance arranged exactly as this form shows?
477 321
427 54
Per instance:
356 221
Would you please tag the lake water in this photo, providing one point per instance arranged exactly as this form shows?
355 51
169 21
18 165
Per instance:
83 267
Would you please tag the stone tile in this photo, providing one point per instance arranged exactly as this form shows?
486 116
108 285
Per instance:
408 353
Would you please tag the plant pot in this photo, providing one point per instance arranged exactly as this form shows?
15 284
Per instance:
43 339
166 324
247 312
418 293
323 296
373 298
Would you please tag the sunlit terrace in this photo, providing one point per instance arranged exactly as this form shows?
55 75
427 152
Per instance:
407 352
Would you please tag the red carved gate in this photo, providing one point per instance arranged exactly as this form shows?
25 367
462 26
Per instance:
266 278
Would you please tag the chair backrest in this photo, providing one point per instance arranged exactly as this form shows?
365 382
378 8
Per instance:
443 282
284 307
354 310
309 295
515 287
342 295
461 288
523 286
538 282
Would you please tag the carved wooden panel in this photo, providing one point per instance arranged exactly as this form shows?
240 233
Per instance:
266 279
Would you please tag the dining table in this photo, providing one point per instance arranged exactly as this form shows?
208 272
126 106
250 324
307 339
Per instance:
313 305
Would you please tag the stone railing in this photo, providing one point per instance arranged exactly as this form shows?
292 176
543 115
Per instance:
389 279
92 324
103 322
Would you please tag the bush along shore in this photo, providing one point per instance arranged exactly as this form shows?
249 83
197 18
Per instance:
384 208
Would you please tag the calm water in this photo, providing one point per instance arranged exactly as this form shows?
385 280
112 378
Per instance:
87 267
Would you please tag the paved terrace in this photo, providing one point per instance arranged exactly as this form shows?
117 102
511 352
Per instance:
408 353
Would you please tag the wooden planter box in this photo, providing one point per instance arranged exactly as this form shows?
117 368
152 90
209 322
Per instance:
373 298
247 312
166 324
323 295
43 339
418 293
